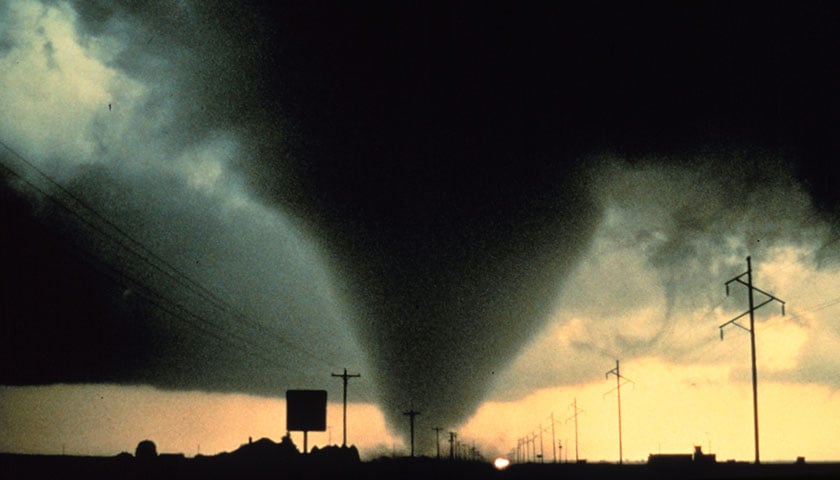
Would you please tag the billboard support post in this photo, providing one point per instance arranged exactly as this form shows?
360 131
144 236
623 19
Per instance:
306 411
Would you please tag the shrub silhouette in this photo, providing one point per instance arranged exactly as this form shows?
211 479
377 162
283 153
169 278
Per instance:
146 450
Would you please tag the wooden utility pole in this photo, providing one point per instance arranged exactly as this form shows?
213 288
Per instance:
574 405
553 451
411 414
617 372
560 447
437 440
345 376
751 330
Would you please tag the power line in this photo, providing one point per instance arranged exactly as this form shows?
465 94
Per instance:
168 306
145 255
822 305
122 278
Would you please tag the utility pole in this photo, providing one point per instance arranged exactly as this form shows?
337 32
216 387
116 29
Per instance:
553 451
452 445
751 330
411 414
574 406
617 372
560 447
542 452
345 376
534 445
437 439
529 451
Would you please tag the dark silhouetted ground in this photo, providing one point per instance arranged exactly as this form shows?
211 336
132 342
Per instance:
267 461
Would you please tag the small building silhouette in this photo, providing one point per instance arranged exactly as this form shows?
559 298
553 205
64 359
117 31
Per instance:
701 458
682 459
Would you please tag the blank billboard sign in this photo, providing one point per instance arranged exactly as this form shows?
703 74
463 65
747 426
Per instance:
306 410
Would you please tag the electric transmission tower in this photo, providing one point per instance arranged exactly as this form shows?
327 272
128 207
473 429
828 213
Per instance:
751 330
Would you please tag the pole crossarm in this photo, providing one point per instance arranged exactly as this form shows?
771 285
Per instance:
615 372
748 312
772 297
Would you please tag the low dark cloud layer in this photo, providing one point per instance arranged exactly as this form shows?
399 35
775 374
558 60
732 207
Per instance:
437 155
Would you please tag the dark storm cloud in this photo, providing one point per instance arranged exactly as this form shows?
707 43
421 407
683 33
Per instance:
219 293
441 146
652 283
206 62
439 142
233 308
435 149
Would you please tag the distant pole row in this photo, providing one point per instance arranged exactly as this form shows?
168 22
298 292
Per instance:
453 446
526 448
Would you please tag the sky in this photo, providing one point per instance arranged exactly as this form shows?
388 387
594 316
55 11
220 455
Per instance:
477 208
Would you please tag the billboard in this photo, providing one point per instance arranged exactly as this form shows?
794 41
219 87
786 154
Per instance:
306 410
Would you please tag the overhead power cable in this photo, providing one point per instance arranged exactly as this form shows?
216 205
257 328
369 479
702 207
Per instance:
89 217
